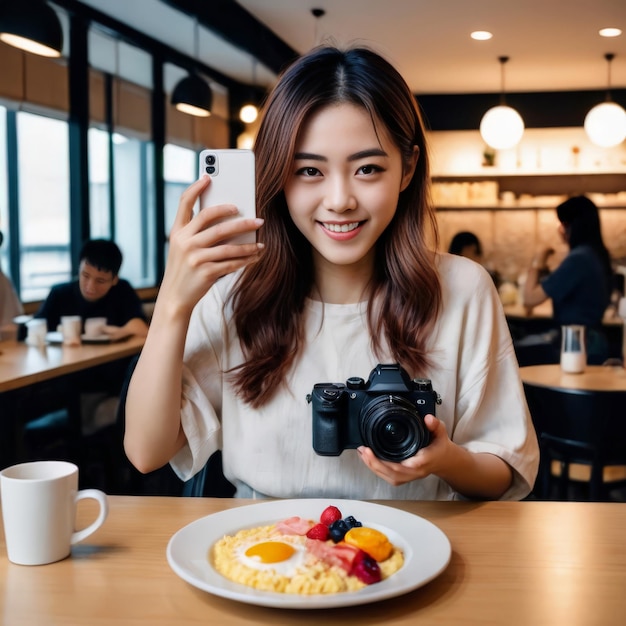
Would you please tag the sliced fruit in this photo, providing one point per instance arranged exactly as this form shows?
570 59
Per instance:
371 541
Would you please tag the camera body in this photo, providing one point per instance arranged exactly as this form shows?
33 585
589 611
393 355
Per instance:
386 414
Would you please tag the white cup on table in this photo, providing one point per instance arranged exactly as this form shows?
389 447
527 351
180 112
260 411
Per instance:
94 326
71 329
36 330
573 350
39 511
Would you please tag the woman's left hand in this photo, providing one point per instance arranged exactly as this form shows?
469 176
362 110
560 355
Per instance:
428 460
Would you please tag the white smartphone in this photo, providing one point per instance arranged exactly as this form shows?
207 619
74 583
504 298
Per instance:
232 182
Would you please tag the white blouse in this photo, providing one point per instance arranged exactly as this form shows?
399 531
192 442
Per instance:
268 451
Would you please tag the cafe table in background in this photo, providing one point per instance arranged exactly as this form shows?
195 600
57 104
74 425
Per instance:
557 563
24 368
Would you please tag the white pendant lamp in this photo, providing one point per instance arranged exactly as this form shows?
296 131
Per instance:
605 124
502 126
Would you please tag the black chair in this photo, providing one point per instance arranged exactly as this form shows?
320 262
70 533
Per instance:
578 427
209 481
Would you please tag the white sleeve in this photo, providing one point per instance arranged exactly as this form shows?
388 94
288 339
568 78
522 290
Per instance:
202 384
486 407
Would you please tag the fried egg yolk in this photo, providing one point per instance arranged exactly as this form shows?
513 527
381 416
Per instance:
270 551
283 557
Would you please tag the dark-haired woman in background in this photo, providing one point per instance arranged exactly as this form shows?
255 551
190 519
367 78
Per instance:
466 244
580 287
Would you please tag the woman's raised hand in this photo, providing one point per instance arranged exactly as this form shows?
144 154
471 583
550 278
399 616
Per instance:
196 257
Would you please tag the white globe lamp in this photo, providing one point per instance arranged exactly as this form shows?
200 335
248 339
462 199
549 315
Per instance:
605 123
502 127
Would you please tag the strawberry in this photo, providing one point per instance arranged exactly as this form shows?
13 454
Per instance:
319 531
329 515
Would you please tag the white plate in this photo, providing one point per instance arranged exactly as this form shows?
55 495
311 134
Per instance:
54 337
426 551
96 339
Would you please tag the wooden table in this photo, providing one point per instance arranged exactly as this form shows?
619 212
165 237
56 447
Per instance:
543 311
569 406
512 563
594 378
22 365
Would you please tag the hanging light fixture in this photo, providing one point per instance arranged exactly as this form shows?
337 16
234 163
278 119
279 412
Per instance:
317 14
605 123
192 94
32 26
502 126
249 111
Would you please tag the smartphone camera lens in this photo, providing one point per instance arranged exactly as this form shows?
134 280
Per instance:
210 169
210 160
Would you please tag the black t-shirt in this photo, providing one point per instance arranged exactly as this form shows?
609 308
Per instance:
120 305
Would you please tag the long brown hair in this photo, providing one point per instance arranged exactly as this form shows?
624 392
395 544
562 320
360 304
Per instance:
269 298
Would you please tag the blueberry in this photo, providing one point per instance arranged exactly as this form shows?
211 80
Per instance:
338 530
352 523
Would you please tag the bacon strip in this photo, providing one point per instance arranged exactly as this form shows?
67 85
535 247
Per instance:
294 526
340 554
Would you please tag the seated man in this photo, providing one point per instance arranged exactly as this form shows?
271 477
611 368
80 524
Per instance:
98 292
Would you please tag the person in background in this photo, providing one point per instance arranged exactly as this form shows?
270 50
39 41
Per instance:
343 278
10 305
580 287
98 292
466 244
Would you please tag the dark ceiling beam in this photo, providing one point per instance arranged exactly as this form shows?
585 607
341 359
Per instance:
241 29
145 42
552 109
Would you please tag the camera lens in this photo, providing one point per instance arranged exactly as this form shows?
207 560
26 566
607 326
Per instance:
210 159
392 428
210 169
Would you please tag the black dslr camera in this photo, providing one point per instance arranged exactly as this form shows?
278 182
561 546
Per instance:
386 414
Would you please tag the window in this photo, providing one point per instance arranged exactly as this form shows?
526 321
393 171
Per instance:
99 197
44 204
134 208
180 169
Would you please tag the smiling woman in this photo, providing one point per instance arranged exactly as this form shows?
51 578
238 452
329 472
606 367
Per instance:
343 278
340 192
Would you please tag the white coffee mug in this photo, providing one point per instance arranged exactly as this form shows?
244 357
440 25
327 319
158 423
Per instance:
71 328
94 326
39 511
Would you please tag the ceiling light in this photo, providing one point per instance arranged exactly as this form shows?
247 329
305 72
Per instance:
609 32
317 14
605 124
502 126
481 35
32 26
192 95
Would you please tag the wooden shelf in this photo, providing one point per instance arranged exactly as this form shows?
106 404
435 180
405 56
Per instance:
514 207
547 184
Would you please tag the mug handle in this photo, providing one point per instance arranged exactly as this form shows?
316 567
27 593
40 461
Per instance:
101 497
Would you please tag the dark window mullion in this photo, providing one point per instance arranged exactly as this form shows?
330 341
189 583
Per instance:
13 199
